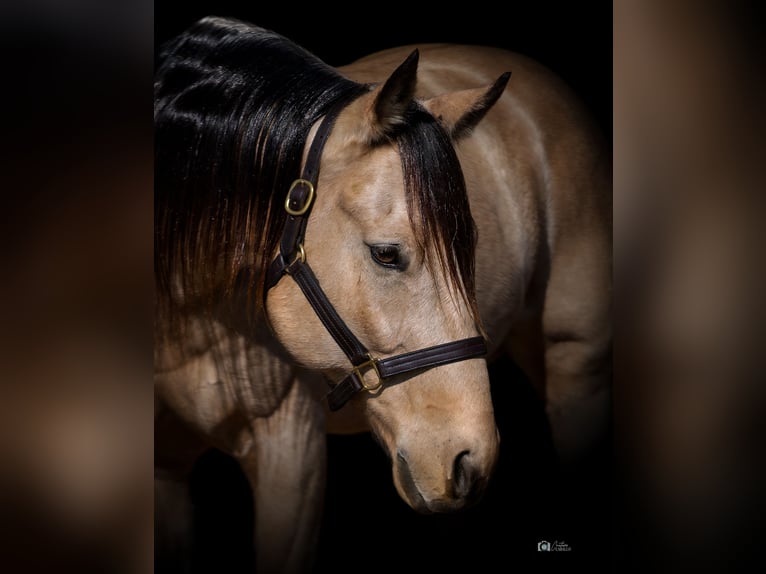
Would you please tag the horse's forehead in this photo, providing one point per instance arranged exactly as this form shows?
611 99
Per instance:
369 181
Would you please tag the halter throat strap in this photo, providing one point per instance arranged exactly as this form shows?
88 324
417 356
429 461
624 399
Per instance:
291 260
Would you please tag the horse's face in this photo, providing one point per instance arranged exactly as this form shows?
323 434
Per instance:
437 426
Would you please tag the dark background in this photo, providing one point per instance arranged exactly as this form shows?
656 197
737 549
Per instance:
366 526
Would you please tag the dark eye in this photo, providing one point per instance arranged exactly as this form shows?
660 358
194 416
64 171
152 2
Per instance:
387 256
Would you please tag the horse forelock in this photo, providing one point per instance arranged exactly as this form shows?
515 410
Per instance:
438 203
234 104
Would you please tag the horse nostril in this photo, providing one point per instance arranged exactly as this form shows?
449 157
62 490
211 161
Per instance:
464 476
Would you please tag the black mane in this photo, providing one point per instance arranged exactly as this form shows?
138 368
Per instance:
233 106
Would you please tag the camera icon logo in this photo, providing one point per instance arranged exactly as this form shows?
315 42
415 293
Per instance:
543 546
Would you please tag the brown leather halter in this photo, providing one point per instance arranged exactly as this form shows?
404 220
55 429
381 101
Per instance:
291 261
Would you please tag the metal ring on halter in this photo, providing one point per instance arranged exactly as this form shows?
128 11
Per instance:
300 255
372 363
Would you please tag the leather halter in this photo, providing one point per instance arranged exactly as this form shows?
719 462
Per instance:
291 260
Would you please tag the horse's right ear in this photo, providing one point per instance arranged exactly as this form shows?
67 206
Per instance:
459 112
392 99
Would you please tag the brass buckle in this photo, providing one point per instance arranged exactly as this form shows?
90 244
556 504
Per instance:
308 201
371 363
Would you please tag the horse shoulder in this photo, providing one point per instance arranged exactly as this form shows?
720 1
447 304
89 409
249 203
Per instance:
217 381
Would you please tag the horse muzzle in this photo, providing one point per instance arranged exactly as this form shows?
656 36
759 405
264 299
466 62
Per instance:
446 482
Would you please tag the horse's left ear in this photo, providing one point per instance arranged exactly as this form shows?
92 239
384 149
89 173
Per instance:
459 112
394 97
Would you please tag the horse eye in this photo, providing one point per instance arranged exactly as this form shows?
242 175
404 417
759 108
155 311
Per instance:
386 256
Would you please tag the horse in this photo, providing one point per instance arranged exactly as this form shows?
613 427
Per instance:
346 249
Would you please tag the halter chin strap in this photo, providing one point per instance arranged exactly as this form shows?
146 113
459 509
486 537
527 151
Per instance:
291 260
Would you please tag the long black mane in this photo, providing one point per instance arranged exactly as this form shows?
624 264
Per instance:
233 107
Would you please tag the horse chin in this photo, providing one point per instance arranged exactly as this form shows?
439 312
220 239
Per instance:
418 503
415 500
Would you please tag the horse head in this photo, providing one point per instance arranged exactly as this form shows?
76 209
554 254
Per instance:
391 242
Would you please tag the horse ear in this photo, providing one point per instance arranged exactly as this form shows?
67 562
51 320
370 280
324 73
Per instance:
394 97
459 112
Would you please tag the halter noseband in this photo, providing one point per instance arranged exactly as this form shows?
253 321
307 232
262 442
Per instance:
291 260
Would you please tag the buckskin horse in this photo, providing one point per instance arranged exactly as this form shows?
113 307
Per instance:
344 249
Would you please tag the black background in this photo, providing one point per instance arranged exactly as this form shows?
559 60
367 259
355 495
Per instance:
366 526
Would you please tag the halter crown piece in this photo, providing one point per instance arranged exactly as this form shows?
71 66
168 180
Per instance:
291 260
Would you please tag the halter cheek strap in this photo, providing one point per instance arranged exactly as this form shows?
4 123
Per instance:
291 260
